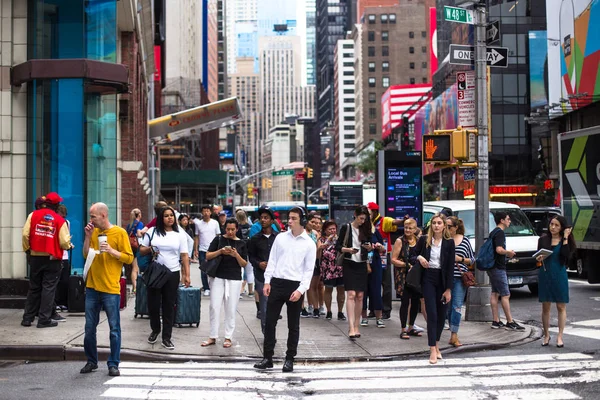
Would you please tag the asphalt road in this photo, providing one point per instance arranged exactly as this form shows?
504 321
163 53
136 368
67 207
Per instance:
524 371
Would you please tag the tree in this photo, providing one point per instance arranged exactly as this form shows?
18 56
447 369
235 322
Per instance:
368 159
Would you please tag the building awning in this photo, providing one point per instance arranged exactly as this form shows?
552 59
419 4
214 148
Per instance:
195 120
100 77
187 177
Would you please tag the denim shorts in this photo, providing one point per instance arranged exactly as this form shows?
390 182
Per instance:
499 281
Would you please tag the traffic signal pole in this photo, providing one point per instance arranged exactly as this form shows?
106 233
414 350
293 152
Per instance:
478 299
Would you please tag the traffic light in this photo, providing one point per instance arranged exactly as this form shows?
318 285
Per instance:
250 188
309 173
269 183
460 144
437 148
541 158
405 134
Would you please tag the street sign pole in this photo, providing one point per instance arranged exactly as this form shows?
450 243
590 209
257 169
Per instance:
478 300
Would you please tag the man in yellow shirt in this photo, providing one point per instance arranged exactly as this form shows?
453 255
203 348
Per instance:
103 289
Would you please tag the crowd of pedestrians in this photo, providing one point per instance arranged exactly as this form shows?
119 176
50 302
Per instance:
298 265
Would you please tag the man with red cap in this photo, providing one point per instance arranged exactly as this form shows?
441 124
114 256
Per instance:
45 237
385 226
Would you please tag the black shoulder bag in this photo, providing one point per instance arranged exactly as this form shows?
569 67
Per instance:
210 266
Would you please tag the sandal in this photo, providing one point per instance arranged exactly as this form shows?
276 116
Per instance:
404 335
227 343
412 332
208 342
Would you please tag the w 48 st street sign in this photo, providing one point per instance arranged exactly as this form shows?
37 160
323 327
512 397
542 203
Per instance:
496 56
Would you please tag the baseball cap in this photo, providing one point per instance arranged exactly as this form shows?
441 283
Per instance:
265 209
53 198
222 212
373 206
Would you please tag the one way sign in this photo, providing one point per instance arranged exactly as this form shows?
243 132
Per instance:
465 55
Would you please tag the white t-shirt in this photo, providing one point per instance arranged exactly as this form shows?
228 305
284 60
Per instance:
434 259
356 245
170 247
206 232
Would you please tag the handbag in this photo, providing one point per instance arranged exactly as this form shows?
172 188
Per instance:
210 266
339 259
146 260
156 275
468 279
133 242
413 278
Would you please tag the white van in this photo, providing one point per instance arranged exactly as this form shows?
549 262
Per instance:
520 236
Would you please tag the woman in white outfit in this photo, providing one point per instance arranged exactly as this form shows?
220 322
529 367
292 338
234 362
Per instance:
225 286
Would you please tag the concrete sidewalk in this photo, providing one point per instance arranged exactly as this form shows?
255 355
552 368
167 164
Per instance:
320 339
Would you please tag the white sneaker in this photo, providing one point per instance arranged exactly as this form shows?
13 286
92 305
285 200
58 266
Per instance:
207 292
418 328
310 309
322 310
446 326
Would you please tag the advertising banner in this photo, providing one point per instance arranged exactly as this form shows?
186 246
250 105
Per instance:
573 54
327 158
538 55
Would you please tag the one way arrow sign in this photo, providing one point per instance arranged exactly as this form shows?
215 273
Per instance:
492 32
465 55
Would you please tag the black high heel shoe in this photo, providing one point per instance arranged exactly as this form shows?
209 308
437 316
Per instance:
544 344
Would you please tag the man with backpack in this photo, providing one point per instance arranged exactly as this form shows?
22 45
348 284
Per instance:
497 274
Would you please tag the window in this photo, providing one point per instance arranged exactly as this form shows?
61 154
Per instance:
348 109
411 35
385 36
349 118
385 66
348 46
392 18
371 36
423 34
348 128
371 67
349 100
385 51
372 113
411 50
348 73
424 49
350 137
424 64
348 145
372 129
386 81
412 81
348 64
372 18
412 65
372 82
371 51
424 80
384 18
372 98
348 82
348 91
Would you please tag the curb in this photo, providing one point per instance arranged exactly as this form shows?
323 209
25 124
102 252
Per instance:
76 353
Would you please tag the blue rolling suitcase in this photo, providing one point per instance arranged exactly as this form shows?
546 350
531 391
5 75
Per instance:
141 298
188 306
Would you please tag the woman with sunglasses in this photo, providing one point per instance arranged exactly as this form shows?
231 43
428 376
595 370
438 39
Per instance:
463 262
435 253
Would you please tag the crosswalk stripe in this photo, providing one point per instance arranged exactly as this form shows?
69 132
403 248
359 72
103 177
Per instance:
581 332
542 376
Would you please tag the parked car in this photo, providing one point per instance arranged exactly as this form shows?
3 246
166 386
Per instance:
520 236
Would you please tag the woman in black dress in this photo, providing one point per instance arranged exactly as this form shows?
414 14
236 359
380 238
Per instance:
356 249
435 253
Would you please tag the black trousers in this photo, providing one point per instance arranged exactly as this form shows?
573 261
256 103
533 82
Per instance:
412 299
43 278
168 295
433 288
62 289
387 286
281 290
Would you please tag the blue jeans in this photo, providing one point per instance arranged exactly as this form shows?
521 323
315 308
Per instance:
201 259
458 298
94 301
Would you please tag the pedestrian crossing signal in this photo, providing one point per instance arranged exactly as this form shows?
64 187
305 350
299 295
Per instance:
437 148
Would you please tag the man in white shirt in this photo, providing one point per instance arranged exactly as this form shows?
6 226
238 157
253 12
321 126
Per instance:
287 277
206 230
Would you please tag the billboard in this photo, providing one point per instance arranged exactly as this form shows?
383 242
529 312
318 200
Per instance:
573 54
538 55
344 197
327 157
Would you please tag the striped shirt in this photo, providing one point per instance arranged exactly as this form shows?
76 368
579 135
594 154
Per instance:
465 250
